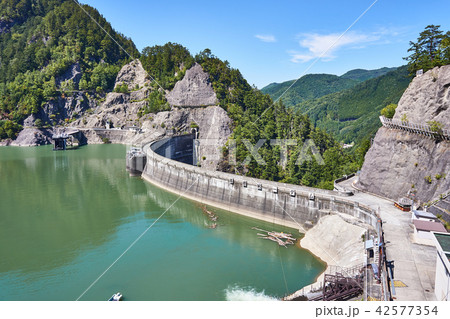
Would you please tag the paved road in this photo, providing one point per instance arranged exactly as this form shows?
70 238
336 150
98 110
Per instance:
415 265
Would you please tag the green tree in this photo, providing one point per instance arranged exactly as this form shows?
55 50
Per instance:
49 87
38 123
436 126
389 111
428 52
445 48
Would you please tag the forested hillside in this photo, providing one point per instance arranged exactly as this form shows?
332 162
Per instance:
352 115
313 86
51 49
255 117
39 41
361 75
310 86
347 106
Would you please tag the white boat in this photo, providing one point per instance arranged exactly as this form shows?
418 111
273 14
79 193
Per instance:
116 297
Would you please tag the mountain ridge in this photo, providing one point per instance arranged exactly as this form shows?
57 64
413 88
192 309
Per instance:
308 87
352 115
357 75
349 113
363 74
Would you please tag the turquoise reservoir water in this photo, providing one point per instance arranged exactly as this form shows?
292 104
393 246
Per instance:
66 216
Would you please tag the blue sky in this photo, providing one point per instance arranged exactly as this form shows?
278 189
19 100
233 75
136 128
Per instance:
276 41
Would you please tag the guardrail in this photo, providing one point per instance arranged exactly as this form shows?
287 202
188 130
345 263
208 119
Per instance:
415 128
342 190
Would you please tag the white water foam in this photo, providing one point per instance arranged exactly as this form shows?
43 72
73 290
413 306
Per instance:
236 293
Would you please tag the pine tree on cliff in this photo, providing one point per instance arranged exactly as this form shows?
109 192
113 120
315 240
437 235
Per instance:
431 50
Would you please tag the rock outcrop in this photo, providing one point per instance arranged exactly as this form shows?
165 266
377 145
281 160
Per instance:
193 90
427 98
53 113
118 110
33 137
56 111
121 109
212 124
133 75
399 162
73 73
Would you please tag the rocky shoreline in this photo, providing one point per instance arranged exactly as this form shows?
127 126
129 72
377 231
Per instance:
30 137
335 242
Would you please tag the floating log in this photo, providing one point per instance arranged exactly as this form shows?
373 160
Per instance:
213 217
281 239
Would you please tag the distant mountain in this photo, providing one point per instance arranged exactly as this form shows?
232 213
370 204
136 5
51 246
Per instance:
313 86
363 75
352 115
310 86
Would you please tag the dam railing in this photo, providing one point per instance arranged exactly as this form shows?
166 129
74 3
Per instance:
422 129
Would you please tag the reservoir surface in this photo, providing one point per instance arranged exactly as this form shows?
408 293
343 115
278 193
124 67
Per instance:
66 216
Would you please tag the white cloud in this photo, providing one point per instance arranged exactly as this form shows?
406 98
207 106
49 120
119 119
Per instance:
266 37
300 58
327 45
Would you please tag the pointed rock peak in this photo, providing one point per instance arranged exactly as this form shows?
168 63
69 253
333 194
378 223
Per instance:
133 75
194 90
427 98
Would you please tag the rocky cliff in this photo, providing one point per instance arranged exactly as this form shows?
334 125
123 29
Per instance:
212 124
399 162
119 111
427 98
133 75
30 137
193 90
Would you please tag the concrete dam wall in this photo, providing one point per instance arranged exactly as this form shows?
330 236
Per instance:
284 204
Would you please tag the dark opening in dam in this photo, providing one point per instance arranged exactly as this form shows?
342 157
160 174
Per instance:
178 148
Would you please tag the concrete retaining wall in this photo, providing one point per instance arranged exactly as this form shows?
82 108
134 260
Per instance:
179 148
284 204
342 190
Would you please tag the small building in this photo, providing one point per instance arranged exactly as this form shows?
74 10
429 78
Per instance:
133 128
423 231
369 246
423 215
60 141
404 204
135 161
442 279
